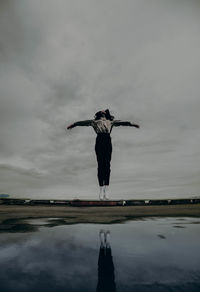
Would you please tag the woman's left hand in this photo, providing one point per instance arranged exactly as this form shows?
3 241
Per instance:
70 126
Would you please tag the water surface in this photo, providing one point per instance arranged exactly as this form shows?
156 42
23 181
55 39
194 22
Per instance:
144 255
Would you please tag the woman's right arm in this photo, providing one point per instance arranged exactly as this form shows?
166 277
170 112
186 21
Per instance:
117 123
80 123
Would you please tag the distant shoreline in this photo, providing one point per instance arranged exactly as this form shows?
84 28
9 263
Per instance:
92 203
100 214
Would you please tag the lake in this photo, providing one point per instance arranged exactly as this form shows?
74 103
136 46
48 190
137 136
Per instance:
155 254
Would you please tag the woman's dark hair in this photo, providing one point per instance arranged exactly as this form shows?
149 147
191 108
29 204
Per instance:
98 115
108 116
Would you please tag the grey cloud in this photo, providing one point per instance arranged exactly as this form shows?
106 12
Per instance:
62 62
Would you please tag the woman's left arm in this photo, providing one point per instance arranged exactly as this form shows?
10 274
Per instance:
80 123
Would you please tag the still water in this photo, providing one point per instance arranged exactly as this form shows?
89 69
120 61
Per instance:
143 255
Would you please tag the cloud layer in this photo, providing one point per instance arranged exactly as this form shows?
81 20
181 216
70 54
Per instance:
63 61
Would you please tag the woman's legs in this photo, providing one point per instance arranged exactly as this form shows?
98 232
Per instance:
100 169
107 160
106 273
103 149
107 171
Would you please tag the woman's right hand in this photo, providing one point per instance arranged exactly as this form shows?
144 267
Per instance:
135 125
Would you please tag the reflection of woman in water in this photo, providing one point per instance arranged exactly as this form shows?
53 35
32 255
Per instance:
106 276
103 123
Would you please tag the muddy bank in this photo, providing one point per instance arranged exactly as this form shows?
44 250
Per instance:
107 215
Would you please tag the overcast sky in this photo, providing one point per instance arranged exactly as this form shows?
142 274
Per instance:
62 61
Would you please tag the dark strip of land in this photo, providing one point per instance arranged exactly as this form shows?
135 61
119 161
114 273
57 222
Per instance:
92 203
99 214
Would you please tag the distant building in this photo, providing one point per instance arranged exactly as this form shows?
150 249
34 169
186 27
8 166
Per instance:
4 195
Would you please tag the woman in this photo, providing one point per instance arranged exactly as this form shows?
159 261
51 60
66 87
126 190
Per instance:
106 270
103 123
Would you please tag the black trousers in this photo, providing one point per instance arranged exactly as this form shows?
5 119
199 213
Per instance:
103 149
106 274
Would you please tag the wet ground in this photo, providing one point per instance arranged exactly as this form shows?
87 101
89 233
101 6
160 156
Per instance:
152 254
100 214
